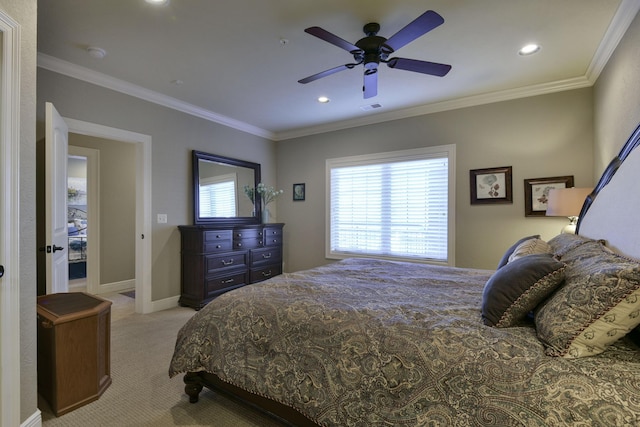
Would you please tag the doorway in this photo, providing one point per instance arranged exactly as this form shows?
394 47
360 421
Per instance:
142 190
83 207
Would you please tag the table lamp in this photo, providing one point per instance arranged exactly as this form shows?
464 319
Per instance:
567 202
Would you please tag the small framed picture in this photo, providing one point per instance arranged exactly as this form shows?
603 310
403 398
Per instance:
491 186
536 193
298 192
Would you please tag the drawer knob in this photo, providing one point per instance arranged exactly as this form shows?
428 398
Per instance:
266 256
266 273
239 244
217 236
224 262
225 282
218 246
239 234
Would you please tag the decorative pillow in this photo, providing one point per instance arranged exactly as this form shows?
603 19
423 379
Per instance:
530 247
505 258
563 243
598 304
518 287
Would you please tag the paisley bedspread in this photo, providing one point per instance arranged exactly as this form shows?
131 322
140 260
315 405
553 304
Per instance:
365 342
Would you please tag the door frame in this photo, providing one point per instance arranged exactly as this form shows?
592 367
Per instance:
10 304
142 142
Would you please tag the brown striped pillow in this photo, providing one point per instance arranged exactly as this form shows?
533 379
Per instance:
513 291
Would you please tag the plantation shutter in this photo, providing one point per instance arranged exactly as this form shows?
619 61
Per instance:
391 208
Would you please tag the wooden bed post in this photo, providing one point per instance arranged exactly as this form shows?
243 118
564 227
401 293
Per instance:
193 386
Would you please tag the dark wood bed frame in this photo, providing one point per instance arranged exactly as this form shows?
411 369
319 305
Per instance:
195 381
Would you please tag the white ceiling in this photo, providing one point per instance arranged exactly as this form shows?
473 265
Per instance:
237 69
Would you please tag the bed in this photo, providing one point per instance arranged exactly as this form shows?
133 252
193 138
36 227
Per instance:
546 339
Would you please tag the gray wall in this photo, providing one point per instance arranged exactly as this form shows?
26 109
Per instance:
174 135
24 12
617 99
117 207
542 136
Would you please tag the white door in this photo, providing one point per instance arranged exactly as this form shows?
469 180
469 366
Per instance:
56 146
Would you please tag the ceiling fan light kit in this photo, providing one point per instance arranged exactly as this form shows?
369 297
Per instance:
371 50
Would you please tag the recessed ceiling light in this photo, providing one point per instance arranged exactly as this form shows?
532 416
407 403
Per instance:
323 99
529 49
157 2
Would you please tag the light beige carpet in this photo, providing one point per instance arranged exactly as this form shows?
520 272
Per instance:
142 394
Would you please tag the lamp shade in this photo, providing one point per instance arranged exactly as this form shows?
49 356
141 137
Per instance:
566 201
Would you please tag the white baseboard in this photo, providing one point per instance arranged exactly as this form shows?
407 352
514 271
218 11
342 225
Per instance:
164 304
124 285
35 420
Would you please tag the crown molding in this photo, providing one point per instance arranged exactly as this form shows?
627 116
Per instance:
437 107
619 25
85 74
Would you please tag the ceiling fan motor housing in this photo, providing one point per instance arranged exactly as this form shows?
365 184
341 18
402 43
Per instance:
372 47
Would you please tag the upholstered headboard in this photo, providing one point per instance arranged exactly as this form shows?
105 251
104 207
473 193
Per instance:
612 211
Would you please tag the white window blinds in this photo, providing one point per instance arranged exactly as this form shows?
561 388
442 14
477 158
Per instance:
393 205
217 196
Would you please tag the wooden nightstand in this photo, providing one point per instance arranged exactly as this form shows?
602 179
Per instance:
74 349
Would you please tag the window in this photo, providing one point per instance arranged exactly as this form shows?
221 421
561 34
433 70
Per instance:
394 205
222 190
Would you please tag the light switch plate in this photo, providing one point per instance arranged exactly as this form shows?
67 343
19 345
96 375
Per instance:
162 218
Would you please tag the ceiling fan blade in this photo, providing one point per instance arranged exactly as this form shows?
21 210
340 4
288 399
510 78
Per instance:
416 28
370 87
332 38
424 67
325 73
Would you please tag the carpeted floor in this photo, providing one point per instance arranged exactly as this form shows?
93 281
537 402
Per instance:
142 394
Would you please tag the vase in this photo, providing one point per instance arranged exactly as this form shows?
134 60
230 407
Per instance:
265 216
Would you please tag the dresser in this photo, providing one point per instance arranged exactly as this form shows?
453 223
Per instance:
216 259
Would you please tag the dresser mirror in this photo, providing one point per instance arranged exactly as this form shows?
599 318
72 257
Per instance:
218 190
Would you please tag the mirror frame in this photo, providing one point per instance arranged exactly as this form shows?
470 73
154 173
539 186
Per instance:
197 219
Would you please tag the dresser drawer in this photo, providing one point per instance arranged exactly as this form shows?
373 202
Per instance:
216 263
216 285
217 240
263 256
272 236
264 273
247 243
247 233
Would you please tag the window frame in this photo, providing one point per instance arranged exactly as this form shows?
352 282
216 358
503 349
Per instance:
448 151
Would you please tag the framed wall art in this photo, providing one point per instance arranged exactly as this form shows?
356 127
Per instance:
536 193
298 192
491 186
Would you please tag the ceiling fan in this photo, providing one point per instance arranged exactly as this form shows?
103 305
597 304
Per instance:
373 49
